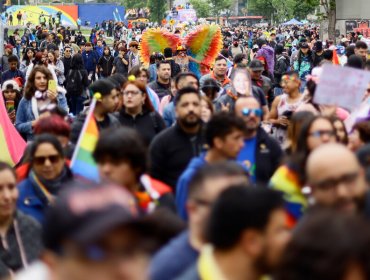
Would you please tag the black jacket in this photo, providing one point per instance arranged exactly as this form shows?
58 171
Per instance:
268 157
111 121
67 64
171 151
148 124
106 65
160 89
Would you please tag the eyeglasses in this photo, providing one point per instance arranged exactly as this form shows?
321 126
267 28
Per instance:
331 184
320 133
67 51
248 112
132 92
42 159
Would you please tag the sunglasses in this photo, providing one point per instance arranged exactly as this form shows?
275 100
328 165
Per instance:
41 160
320 133
248 112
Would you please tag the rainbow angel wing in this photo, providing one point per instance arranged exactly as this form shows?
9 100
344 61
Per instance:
204 43
156 40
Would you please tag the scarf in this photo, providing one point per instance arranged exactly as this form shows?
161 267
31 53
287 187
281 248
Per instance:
46 190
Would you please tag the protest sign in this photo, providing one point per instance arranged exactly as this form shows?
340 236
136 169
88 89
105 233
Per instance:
341 86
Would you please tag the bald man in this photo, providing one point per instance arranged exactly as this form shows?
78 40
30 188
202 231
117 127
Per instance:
261 154
337 179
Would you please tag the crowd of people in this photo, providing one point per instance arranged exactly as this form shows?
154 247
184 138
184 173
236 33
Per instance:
234 174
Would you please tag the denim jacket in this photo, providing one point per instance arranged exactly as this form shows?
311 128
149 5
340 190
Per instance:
25 115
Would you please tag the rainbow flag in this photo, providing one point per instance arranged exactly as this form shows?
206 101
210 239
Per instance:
82 163
12 144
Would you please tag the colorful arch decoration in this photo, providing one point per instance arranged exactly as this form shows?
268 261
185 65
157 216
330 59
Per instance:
69 13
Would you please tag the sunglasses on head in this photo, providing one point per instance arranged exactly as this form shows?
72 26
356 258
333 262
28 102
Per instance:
42 159
248 112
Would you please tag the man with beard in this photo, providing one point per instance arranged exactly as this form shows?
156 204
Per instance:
337 180
247 234
261 154
224 137
173 148
219 74
162 86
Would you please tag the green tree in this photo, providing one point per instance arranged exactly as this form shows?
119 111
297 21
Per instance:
135 4
218 6
201 7
157 10
330 13
302 9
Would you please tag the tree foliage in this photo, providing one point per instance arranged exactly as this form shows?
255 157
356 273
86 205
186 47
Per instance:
280 11
157 10
135 4
201 7
219 6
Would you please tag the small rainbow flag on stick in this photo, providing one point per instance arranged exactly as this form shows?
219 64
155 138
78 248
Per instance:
12 144
82 163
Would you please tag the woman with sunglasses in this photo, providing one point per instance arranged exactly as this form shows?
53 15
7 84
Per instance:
290 177
47 174
138 112
20 234
38 99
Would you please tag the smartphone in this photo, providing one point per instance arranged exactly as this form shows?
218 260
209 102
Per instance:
52 85
9 104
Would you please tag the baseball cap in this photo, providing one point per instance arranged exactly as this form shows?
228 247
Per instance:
256 65
10 84
344 40
304 45
85 214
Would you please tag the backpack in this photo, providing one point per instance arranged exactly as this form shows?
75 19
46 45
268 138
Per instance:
74 82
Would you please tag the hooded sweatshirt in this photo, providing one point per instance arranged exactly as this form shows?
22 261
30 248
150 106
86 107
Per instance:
269 54
183 184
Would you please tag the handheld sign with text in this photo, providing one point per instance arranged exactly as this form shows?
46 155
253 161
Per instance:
341 86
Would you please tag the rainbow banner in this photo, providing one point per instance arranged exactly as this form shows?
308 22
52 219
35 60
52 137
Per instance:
82 163
12 145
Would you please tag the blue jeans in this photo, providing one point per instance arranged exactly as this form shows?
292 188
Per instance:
76 103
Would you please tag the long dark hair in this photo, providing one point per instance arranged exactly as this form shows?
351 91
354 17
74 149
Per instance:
300 58
297 161
45 138
77 62
25 56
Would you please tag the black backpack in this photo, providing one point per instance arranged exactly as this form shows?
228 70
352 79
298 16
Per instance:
74 82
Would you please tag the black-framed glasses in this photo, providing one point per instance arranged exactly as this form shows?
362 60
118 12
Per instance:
132 92
42 159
